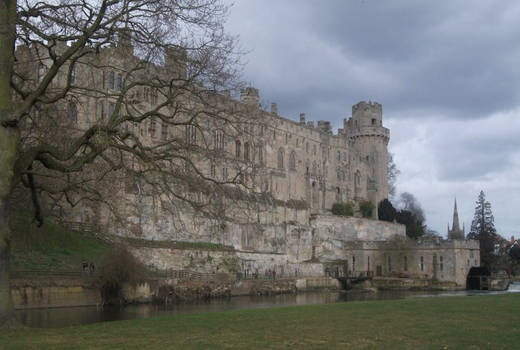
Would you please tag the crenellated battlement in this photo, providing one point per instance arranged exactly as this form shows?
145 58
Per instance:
249 95
373 107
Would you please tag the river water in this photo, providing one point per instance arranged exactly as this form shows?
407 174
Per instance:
72 316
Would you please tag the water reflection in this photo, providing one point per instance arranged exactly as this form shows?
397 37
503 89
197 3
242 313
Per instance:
71 316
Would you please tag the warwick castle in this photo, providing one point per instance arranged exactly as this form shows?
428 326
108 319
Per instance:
255 186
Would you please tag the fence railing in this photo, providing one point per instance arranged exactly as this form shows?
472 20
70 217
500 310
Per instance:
70 273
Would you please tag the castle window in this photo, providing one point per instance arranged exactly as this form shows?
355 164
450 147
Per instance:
286 138
218 139
307 147
353 263
190 134
314 168
260 152
224 174
389 264
292 161
102 110
103 79
307 167
72 112
73 75
153 96
164 131
281 154
212 171
119 82
422 263
42 70
373 121
111 108
111 80
314 149
405 263
339 155
238 149
246 151
153 127
441 260
368 264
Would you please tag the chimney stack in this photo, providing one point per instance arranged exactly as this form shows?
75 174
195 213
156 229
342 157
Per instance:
274 108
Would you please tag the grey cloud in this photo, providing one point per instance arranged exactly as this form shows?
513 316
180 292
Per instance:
405 54
446 72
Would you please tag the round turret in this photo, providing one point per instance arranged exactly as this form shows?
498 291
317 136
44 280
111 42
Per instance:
370 138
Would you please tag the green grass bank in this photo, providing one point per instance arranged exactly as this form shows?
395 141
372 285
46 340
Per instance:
480 322
50 247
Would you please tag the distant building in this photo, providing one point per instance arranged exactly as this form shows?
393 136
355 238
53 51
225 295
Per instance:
456 232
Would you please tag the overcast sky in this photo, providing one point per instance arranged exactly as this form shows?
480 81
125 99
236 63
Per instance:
446 72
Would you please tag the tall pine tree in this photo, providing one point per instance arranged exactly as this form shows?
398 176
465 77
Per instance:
483 229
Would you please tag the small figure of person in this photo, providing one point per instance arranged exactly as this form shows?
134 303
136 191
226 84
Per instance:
84 266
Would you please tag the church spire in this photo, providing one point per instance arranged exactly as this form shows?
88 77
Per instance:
455 232
456 225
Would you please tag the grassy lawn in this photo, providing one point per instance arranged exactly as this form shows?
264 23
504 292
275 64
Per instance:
51 247
481 322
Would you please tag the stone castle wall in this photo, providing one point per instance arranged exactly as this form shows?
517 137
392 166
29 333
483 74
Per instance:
284 176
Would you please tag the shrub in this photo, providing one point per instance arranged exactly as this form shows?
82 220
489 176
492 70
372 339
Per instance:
117 267
386 211
366 208
343 209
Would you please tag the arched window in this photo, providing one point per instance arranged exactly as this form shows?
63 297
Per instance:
218 139
190 134
307 167
238 149
292 161
281 154
314 167
72 112
246 151
119 82
42 70
111 80
358 178
260 152
73 75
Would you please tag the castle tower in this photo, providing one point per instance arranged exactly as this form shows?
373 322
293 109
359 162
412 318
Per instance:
455 232
370 138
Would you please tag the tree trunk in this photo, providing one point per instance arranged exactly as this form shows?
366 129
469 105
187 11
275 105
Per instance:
7 317
9 138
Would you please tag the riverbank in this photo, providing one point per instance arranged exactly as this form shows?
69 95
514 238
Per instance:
479 322
51 292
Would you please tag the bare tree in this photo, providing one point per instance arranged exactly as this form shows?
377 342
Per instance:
393 172
100 95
